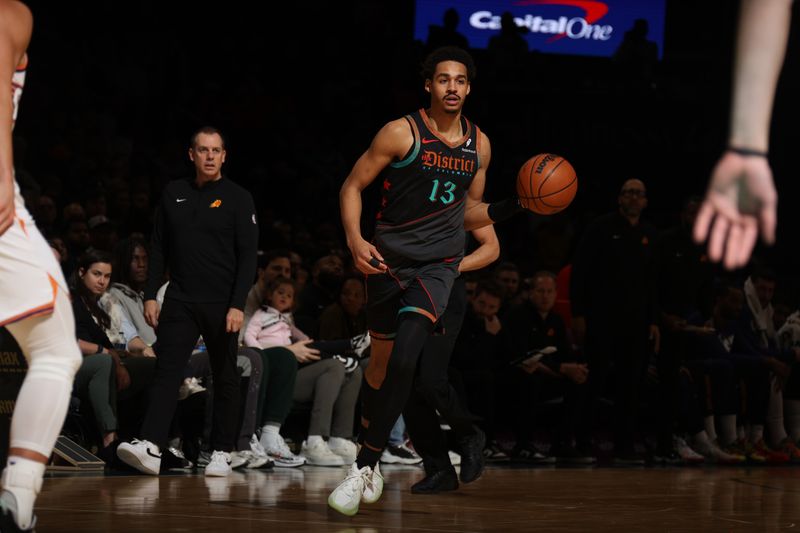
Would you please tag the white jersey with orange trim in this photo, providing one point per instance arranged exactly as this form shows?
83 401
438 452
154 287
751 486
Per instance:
30 276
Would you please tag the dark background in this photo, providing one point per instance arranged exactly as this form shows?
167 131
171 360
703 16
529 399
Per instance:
114 91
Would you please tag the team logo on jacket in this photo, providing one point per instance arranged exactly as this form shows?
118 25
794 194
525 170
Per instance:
215 203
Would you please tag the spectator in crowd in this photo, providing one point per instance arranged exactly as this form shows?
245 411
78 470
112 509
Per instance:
327 378
117 365
327 276
613 298
541 366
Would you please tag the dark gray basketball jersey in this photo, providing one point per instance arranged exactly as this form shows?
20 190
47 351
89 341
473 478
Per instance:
424 194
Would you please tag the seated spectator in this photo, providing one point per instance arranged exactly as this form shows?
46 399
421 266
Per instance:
507 277
475 361
118 365
542 367
326 280
326 378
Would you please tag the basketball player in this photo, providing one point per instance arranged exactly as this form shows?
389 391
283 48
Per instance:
433 168
34 303
741 195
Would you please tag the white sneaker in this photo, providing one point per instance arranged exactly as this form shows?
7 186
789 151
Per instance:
348 495
279 452
373 486
401 454
188 387
686 452
239 459
259 459
455 459
344 448
360 343
219 465
142 455
321 455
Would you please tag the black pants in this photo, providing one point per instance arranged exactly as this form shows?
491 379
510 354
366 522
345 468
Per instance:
432 390
623 350
179 326
524 392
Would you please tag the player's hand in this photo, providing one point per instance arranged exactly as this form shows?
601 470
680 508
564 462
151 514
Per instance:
234 319
6 204
303 353
741 197
151 313
366 257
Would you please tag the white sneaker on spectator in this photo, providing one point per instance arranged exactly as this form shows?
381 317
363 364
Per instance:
455 459
260 458
142 455
279 452
344 448
360 343
219 465
401 454
685 451
188 387
320 454
712 452
348 495
239 459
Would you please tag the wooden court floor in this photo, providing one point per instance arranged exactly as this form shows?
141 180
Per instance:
707 499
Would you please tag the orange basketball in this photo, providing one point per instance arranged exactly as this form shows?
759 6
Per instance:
546 184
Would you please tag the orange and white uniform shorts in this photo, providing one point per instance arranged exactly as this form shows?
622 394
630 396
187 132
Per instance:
30 276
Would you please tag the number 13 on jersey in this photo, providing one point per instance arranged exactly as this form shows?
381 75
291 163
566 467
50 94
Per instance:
447 188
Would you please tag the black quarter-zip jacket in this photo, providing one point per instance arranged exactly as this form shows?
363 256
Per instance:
208 237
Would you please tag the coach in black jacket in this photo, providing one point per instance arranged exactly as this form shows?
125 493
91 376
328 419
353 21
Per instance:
205 234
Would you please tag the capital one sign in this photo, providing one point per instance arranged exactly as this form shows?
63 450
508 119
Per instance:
582 27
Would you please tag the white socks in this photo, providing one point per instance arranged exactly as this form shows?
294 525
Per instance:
314 440
22 481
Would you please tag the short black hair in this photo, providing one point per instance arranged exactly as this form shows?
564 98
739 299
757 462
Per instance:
208 130
448 53
489 287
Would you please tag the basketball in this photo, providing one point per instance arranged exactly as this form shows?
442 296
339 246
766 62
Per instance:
546 184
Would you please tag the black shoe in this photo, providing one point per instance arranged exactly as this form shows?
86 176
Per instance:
667 457
439 481
530 455
472 459
569 455
173 459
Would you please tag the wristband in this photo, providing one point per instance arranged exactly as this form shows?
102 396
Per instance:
504 209
747 151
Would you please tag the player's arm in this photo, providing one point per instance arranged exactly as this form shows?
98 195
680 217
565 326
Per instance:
16 23
391 143
478 213
741 195
486 253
